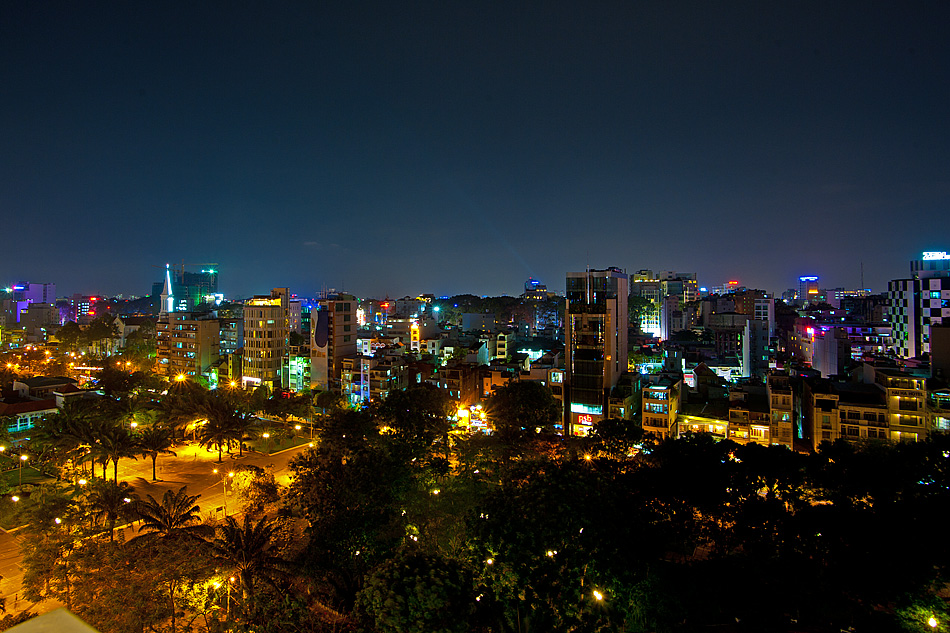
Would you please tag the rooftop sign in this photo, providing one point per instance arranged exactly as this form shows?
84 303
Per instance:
932 255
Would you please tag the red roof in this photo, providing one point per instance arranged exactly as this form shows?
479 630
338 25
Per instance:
27 407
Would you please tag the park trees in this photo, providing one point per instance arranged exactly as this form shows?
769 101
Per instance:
177 516
416 416
155 440
109 501
415 592
248 550
351 493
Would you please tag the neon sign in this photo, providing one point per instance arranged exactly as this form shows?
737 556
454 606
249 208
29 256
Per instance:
585 418
933 255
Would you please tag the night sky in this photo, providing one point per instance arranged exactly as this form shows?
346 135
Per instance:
400 148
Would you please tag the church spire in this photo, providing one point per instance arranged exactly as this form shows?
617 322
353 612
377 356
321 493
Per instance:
168 299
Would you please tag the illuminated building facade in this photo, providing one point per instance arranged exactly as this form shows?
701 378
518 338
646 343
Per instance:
660 404
888 404
808 290
595 340
332 338
186 346
917 303
903 313
781 409
368 379
266 330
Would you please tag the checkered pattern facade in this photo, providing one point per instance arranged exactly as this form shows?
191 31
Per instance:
903 297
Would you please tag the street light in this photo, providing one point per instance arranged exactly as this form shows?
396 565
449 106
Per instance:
23 458
266 436
224 488
932 622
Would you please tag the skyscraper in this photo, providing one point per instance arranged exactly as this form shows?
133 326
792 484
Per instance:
595 344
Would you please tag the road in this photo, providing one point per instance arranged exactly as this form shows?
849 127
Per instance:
193 467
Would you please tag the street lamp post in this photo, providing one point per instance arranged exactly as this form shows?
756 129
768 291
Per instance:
228 611
23 458
266 437
224 488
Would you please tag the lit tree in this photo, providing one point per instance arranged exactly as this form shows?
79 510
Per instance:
109 501
155 440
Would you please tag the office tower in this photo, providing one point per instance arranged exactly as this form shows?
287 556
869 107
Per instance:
595 343
332 338
807 289
266 329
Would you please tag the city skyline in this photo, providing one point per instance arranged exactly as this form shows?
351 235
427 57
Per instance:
431 148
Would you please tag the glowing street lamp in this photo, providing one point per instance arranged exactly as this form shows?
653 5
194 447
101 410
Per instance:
23 458
932 622
224 488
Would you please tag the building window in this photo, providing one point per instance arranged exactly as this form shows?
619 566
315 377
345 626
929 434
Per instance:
907 404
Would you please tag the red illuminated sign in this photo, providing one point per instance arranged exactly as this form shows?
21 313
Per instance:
585 418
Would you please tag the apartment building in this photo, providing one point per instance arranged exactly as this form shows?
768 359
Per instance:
187 346
266 330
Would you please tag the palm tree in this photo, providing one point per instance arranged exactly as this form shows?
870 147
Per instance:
176 518
155 440
130 409
68 432
244 429
248 550
109 501
219 433
116 443
225 424
177 515
181 405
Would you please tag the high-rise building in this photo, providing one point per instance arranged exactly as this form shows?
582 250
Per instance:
903 314
332 338
919 302
808 290
595 344
266 329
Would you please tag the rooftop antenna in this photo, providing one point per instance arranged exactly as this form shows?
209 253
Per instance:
862 275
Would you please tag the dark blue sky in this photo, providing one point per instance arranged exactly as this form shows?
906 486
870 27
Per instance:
461 147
